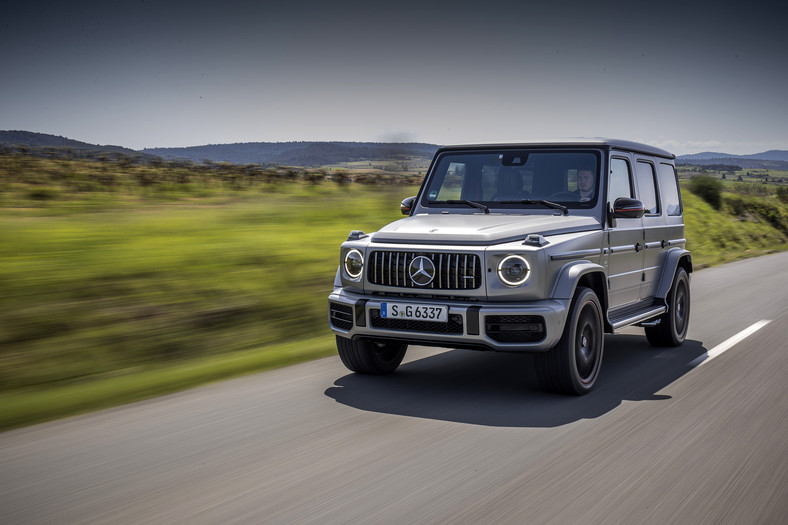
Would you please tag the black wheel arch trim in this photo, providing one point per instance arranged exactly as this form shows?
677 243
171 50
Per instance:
583 273
676 257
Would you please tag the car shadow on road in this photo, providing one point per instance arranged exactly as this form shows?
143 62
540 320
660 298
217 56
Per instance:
497 389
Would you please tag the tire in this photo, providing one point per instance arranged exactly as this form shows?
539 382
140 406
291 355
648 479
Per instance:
368 357
572 366
673 324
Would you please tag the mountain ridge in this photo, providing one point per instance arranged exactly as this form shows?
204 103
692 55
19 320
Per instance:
297 153
772 155
44 140
317 153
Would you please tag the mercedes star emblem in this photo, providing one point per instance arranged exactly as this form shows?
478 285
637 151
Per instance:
421 271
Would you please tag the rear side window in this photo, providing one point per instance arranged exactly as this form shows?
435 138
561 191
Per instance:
669 189
647 187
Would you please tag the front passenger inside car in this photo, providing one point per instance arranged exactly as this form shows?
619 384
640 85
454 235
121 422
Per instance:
509 185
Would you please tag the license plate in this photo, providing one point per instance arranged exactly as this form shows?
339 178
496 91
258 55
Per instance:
417 312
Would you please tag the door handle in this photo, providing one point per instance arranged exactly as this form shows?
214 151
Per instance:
638 247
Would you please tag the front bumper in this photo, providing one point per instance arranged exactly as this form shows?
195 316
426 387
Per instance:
504 327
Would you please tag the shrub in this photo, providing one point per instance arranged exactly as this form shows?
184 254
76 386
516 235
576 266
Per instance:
43 194
707 188
782 193
758 209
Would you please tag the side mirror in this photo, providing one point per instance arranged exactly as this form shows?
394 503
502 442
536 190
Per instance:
406 205
626 208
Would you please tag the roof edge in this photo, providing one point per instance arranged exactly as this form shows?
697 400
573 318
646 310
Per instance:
628 145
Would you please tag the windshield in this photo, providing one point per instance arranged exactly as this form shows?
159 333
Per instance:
515 179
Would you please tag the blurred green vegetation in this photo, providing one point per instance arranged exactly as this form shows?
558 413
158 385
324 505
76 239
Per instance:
745 226
763 182
102 282
122 280
163 282
707 188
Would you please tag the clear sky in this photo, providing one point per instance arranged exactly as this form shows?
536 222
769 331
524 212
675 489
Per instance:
151 73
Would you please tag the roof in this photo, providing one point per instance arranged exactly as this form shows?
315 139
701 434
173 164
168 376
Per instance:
626 145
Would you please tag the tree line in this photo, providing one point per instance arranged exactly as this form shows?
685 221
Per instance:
53 170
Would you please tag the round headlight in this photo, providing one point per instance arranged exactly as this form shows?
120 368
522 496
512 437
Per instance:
513 270
354 263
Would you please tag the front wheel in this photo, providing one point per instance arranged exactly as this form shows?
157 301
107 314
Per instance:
370 357
572 366
671 330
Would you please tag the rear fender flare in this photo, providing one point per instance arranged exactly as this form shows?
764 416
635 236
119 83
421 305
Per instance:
675 258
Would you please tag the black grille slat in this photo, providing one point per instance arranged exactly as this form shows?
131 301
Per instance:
341 316
453 271
453 326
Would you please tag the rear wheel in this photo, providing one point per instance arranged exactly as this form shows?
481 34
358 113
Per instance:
673 324
370 357
572 366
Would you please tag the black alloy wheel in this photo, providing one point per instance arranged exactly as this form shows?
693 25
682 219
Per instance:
671 330
572 366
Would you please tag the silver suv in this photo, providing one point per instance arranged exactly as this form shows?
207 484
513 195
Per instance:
538 247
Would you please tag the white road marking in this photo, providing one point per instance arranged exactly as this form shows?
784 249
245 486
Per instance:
726 345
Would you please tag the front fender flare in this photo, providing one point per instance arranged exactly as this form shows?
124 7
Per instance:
570 276
571 273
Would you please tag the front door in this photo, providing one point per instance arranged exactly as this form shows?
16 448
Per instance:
625 240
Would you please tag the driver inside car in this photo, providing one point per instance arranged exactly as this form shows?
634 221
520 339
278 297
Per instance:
585 184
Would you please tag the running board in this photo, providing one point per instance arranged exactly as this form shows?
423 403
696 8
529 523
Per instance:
634 317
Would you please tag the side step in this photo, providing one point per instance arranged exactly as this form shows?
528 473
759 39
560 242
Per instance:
635 314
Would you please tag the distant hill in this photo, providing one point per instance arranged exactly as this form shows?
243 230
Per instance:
779 155
29 139
772 159
297 153
706 155
283 153
314 153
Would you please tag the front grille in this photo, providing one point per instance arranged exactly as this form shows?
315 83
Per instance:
453 326
453 271
341 316
515 328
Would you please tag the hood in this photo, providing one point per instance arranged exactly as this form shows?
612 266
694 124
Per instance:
479 229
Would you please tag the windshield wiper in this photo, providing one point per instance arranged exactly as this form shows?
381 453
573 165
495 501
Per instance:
543 202
467 202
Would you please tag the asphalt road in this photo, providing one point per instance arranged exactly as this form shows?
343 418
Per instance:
452 437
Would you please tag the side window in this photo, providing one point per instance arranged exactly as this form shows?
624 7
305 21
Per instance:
620 184
452 183
647 187
669 189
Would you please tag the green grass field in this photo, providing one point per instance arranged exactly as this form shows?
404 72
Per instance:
117 292
718 237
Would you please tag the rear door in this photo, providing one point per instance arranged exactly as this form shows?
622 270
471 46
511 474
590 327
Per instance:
670 196
654 234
